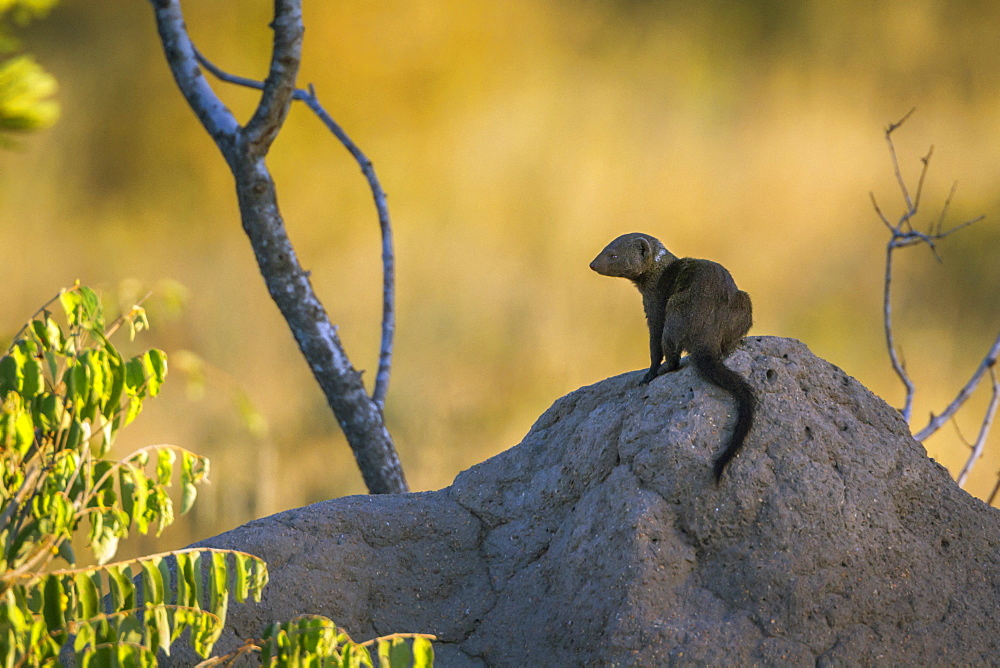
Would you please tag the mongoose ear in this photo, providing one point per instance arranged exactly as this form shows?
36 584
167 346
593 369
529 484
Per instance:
645 250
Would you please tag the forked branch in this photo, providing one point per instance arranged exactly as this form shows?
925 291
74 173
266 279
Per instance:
245 149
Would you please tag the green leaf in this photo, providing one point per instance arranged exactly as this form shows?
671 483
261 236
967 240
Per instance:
152 581
32 381
268 644
83 308
48 333
88 594
356 656
241 584
105 531
154 364
70 300
21 371
116 367
135 487
47 411
54 603
66 552
190 571
77 379
158 623
134 388
27 88
100 375
259 578
164 465
423 653
218 583
205 631
188 495
8 375
163 508
17 430
193 470
122 589
136 321
166 576
394 653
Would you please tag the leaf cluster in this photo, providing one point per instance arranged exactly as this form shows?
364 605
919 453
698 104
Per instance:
25 87
64 396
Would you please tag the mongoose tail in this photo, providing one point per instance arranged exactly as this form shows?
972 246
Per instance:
711 368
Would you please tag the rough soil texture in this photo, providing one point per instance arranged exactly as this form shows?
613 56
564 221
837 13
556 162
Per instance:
602 540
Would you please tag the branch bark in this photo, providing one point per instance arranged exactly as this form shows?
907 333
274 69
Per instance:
245 149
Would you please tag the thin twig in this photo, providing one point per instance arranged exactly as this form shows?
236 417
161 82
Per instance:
936 421
367 168
926 161
892 126
895 162
993 495
984 430
890 337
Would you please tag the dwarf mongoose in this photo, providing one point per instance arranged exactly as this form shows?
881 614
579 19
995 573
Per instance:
691 305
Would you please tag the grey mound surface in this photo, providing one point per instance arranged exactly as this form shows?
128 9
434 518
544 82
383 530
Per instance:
602 539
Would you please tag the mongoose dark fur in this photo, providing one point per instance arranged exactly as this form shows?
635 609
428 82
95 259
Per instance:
691 305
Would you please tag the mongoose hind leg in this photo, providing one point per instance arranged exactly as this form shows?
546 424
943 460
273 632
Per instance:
672 361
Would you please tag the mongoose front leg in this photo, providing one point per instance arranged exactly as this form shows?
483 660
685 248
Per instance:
655 356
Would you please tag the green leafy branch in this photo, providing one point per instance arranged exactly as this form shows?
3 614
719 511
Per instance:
65 394
144 613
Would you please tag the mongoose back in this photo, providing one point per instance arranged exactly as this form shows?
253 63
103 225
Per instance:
691 305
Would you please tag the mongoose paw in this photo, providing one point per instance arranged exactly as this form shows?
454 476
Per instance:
650 375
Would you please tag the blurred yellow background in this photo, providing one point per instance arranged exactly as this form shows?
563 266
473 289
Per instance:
515 139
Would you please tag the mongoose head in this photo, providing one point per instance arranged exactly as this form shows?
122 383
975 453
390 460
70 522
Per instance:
633 256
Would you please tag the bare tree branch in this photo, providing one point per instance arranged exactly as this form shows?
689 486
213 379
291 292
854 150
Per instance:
984 430
359 417
388 256
903 234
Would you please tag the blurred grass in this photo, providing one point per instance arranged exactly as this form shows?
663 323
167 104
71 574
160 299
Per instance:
514 140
